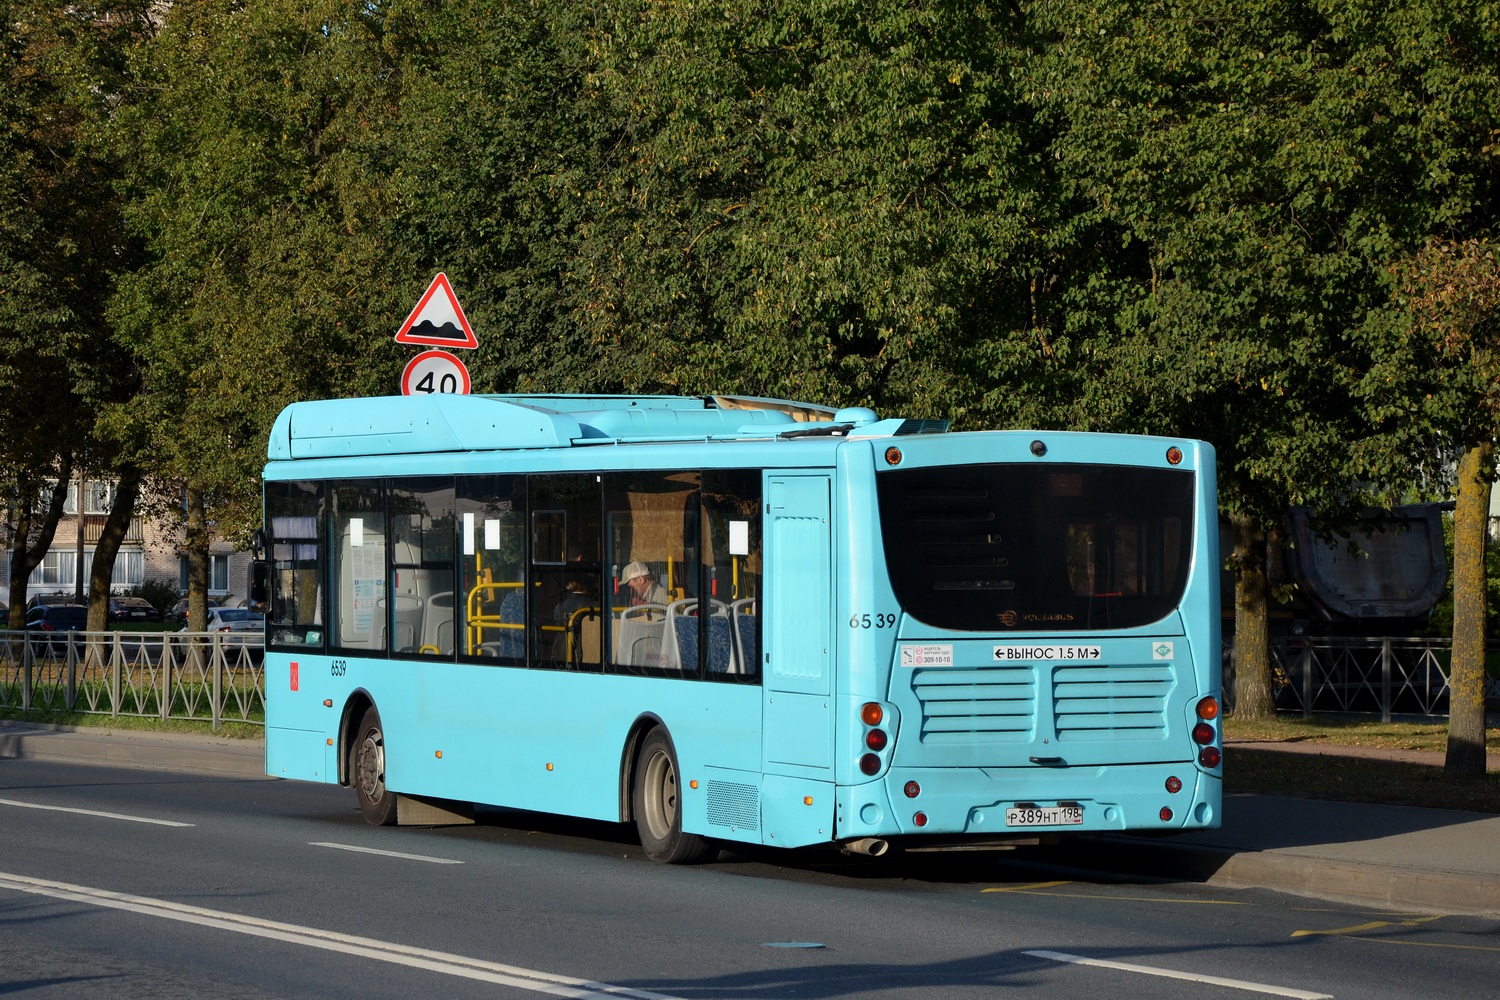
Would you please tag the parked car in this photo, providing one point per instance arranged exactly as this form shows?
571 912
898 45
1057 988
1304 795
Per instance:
44 600
178 611
233 620
58 618
132 609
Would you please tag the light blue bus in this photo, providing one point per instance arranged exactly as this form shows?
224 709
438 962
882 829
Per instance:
742 620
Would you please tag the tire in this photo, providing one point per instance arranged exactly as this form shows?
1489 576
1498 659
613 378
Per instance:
655 801
367 771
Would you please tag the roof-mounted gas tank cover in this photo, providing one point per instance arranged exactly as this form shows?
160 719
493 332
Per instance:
339 428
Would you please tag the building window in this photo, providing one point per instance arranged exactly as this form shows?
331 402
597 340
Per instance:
218 574
57 569
98 496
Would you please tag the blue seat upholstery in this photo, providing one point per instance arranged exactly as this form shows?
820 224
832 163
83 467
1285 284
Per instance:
720 645
746 632
511 642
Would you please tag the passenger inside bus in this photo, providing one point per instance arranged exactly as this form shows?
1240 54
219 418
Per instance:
643 586
578 594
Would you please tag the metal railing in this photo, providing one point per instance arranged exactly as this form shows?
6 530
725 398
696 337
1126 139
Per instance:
1385 676
219 677
213 677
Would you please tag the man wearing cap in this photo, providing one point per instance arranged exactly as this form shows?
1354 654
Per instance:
643 586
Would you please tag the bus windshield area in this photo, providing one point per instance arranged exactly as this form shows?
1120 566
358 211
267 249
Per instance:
1003 547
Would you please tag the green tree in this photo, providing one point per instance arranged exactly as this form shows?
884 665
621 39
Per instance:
251 174
1238 177
60 242
1452 293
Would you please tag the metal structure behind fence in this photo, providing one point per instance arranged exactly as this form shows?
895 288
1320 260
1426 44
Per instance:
1360 676
210 677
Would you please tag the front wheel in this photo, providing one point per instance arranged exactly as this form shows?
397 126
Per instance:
367 771
657 804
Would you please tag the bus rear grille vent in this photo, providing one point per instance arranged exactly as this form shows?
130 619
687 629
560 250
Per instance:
1125 702
989 705
733 805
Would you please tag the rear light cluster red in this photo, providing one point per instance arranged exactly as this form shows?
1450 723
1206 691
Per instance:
1206 735
876 739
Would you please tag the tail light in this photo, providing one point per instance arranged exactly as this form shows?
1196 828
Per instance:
876 738
1203 734
1210 757
1208 708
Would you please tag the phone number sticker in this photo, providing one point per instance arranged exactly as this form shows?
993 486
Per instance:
927 656
1018 651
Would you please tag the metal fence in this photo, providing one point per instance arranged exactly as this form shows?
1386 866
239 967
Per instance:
208 677
1360 676
219 677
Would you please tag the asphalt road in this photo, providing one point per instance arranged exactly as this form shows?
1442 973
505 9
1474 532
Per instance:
152 884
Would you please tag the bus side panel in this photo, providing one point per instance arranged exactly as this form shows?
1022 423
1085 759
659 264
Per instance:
297 724
550 741
798 633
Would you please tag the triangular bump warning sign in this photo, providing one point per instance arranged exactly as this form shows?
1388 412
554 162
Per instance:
438 319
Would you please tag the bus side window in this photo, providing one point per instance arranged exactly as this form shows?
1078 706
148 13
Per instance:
421 588
357 545
564 582
294 524
732 572
652 579
491 592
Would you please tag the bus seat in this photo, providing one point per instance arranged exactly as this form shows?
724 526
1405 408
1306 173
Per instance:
721 659
511 642
640 636
682 635
437 623
408 624
746 648
587 649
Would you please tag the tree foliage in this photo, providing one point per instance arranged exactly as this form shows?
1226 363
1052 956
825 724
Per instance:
1196 218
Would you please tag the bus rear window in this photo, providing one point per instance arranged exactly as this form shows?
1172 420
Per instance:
986 548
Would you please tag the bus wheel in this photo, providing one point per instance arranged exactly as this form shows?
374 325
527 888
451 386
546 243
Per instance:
367 771
657 805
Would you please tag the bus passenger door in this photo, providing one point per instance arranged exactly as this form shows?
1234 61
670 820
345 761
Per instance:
798 737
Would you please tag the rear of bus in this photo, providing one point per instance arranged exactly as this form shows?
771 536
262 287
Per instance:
1041 653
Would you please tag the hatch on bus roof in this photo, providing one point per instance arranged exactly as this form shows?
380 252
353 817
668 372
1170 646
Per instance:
338 428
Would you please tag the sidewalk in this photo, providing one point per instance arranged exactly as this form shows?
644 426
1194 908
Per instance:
1401 857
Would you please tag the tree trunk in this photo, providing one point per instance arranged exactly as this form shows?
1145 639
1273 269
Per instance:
196 546
26 552
1466 754
108 546
1252 661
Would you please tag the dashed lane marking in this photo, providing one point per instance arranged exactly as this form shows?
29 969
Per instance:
384 854
1192 977
92 812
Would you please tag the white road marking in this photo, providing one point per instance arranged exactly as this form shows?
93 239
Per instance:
1192 977
92 812
383 854
347 944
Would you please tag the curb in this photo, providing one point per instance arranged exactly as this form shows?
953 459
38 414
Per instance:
192 754
1321 878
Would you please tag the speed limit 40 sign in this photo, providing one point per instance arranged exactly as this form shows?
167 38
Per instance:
433 372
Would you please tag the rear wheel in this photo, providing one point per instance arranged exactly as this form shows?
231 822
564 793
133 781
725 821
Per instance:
367 771
657 804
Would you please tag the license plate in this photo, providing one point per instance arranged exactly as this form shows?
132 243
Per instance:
1044 816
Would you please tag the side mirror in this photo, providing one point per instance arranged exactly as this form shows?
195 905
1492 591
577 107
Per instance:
260 584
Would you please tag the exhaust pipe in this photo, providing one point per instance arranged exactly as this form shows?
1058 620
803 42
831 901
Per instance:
871 846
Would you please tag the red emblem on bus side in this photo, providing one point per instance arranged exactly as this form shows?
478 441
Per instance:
294 675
